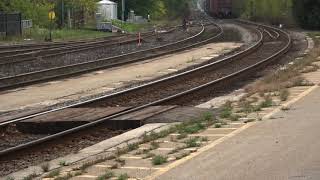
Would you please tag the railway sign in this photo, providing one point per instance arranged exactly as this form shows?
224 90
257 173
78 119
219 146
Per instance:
52 15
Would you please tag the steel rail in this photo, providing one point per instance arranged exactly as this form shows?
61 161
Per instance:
113 94
54 136
242 71
13 81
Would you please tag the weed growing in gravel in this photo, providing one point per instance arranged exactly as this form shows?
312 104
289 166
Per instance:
226 110
234 117
217 125
30 176
191 128
107 175
132 146
204 139
176 150
122 162
53 173
267 102
284 94
123 177
154 145
159 159
182 155
66 177
10 178
63 163
192 142
45 167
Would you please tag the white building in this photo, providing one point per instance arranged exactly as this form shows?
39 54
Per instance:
107 10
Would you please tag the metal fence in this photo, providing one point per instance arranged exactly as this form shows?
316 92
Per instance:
10 24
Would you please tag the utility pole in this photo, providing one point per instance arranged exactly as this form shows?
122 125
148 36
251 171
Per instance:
123 9
62 13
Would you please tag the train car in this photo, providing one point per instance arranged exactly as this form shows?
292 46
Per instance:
219 8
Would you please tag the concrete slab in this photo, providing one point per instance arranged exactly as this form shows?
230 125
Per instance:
285 148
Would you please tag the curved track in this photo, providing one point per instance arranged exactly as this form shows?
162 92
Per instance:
193 81
168 91
73 69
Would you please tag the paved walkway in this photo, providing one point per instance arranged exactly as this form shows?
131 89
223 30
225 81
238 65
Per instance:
285 147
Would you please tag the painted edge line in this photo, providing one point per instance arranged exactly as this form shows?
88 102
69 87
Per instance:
226 137
200 151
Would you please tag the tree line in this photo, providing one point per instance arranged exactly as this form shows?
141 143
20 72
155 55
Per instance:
37 10
303 12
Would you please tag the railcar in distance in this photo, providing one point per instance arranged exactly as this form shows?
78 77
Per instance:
219 8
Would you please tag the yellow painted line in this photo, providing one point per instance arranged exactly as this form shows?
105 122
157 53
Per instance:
237 123
208 135
102 166
211 129
131 157
302 95
140 168
165 149
87 176
200 151
128 167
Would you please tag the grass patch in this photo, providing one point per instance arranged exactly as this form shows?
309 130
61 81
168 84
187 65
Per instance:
159 159
122 162
30 176
106 175
123 176
226 110
66 177
53 173
218 125
192 142
284 94
132 146
154 145
63 163
267 102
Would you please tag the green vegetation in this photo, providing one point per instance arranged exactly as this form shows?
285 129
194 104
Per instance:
123 177
30 176
158 160
307 13
284 94
192 142
107 175
53 173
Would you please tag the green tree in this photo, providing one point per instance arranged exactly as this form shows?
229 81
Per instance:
307 13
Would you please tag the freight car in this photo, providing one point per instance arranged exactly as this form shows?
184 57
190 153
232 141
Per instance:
219 8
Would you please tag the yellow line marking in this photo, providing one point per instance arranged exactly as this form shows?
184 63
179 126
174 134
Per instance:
165 149
131 157
211 129
208 135
102 166
200 151
87 176
237 123
305 93
128 167
140 168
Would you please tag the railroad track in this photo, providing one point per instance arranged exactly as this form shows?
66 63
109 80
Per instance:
11 57
168 91
83 67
